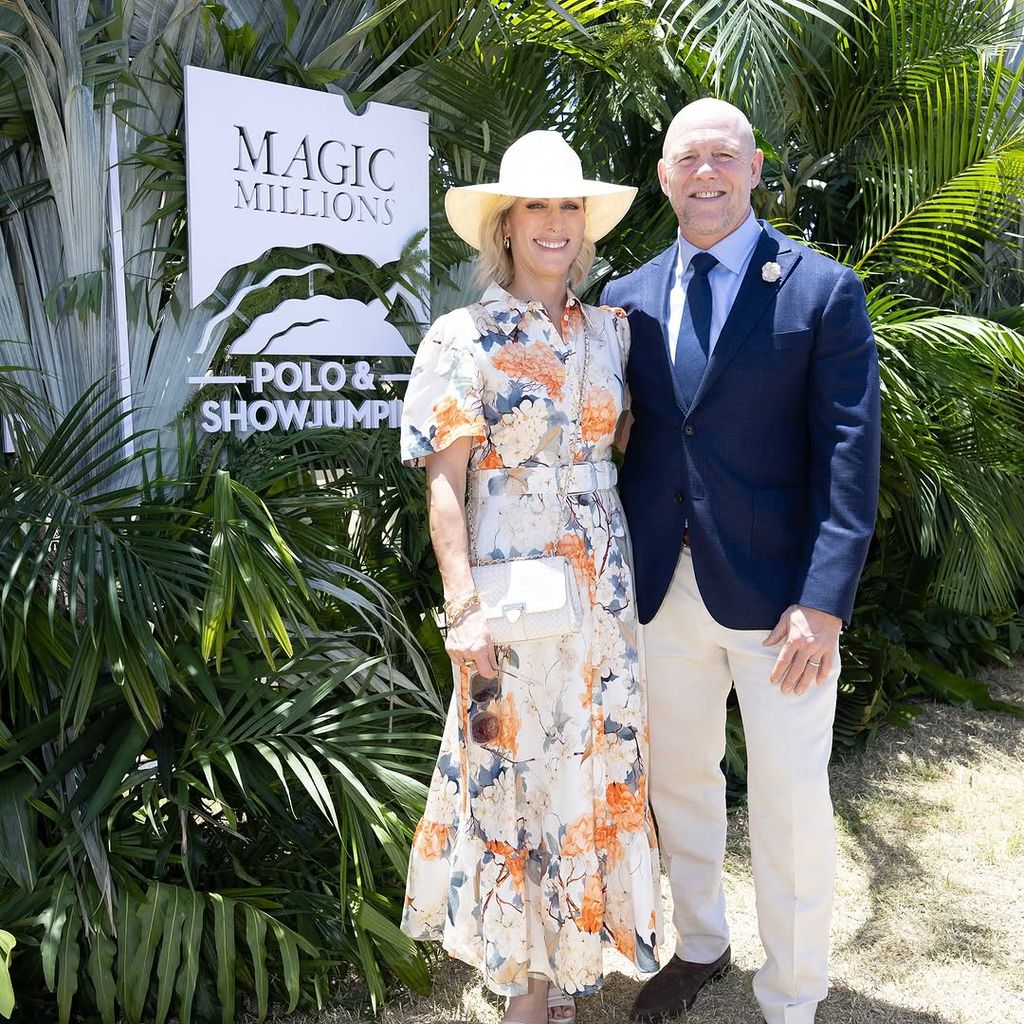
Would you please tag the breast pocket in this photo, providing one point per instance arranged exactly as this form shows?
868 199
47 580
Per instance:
769 343
791 341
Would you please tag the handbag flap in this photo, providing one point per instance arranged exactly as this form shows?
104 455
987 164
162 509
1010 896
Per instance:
522 586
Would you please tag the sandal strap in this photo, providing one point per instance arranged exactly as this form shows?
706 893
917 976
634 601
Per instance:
556 997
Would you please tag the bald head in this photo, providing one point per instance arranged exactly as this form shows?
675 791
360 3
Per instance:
709 165
709 114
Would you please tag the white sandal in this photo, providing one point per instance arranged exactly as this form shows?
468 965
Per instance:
557 999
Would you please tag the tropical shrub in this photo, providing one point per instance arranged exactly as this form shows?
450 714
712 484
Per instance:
216 713
218 660
209 730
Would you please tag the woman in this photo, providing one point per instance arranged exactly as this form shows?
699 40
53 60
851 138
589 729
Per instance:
536 846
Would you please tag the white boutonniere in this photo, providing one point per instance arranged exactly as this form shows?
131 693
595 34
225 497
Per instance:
771 272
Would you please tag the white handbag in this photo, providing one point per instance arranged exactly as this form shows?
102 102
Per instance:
529 598
532 598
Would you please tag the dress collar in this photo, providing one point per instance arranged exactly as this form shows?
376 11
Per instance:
508 310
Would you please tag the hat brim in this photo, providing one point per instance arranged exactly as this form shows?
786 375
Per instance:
467 206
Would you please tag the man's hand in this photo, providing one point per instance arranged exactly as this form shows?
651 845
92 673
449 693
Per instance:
810 644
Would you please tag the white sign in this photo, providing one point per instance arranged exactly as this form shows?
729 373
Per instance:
318 332
277 165
322 326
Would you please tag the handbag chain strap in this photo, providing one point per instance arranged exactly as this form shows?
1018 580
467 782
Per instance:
575 446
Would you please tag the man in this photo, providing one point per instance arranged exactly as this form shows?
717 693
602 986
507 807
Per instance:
750 486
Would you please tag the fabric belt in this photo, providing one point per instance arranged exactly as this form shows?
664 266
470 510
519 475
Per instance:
577 478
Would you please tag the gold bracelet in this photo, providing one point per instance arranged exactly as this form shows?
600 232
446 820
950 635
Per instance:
458 606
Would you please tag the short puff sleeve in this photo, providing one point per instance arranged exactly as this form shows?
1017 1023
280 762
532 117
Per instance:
444 400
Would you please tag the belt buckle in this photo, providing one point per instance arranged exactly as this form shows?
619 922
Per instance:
581 486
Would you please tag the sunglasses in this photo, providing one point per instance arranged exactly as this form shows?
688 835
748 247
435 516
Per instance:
483 690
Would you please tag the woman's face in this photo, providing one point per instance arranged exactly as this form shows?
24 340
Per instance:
545 237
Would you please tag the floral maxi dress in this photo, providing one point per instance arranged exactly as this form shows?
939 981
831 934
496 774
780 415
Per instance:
538 848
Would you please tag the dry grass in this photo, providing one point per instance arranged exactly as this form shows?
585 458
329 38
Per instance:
929 922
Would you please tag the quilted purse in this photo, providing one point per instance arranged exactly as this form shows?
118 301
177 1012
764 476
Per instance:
529 598
532 598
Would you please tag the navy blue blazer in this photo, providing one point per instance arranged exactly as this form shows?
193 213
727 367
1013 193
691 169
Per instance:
774 466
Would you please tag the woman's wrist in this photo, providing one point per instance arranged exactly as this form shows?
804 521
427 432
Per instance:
456 607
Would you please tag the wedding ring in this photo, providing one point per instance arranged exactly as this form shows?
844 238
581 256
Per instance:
816 664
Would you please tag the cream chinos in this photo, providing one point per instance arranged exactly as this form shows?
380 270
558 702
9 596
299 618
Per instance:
692 662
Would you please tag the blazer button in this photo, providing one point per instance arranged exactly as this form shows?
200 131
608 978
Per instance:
678 498
688 430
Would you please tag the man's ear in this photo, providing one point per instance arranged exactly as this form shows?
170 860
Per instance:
663 175
755 168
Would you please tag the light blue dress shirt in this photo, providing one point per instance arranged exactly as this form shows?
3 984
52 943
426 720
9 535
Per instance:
733 253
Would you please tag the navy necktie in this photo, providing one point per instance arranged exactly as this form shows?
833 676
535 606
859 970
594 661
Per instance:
694 341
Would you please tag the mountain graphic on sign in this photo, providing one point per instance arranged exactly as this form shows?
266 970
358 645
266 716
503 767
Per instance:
322 326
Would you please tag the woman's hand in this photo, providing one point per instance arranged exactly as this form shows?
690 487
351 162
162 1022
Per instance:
469 643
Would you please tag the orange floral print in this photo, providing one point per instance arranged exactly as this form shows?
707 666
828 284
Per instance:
579 836
492 460
592 912
450 420
606 835
464 699
430 839
627 808
572 319
535 361
573 547
624 938
508 724
600 414
514 862
587 695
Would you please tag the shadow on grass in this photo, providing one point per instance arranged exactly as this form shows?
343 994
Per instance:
729 1001
891 799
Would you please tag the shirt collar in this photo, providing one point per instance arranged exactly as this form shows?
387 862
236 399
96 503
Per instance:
508 310
733 251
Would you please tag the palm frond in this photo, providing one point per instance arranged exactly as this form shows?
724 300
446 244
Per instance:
946 174
953 473
749 47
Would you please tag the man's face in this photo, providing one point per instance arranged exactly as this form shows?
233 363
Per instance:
708 170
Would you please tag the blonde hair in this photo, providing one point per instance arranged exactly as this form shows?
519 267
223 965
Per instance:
494 261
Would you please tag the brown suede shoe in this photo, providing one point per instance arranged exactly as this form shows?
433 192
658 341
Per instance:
675 987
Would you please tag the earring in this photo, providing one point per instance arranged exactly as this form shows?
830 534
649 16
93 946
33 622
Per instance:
507 242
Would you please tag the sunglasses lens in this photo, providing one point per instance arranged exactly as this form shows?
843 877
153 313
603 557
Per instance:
484 728
482 689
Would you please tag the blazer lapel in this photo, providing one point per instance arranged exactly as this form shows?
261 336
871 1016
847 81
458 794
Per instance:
662 276
753 297
663 271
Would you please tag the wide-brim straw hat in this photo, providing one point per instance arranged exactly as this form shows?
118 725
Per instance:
540 165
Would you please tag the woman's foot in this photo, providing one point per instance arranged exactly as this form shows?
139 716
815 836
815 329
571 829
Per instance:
531 1008
561 1005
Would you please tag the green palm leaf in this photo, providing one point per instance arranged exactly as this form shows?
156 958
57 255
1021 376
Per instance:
946 174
